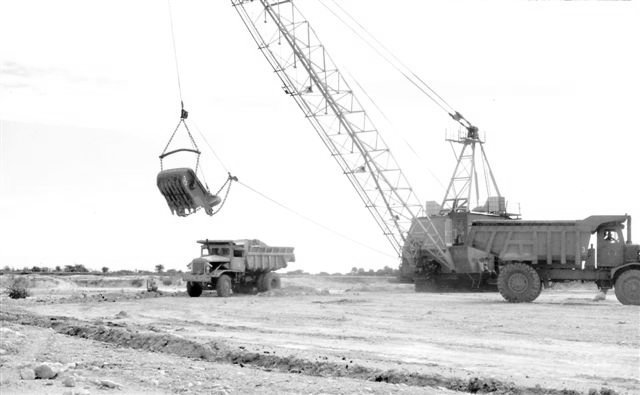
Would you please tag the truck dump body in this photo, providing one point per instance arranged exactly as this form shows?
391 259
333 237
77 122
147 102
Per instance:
538 241
262 258
532 241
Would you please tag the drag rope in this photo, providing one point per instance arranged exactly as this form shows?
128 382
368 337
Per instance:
308 219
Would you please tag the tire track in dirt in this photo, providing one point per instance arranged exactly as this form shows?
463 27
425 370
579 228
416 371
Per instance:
219 351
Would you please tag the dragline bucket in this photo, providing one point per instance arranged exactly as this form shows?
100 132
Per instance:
185 193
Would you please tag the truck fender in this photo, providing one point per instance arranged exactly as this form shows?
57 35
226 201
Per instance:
621 269
218 273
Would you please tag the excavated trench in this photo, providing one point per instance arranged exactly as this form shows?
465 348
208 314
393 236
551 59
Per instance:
219 351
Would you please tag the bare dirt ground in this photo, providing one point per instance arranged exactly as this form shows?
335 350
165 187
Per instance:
316 335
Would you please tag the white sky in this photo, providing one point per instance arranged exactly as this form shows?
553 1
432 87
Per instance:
88 98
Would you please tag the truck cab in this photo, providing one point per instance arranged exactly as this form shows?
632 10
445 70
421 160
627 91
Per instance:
223 255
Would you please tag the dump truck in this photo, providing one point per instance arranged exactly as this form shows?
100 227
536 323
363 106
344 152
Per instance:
239 266
525 256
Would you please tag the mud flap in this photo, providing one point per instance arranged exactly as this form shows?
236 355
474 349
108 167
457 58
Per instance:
184 192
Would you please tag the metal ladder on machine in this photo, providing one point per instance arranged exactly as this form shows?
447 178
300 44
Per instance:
310 77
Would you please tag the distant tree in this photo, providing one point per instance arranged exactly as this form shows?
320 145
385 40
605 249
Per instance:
386 271
80 269
36 269
371 272
323 274
172 271
361 272
7 269
354 270
58 269
105 270
159 268
75 269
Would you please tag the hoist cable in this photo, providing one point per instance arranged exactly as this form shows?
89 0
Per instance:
175 52
215 155
451 109
408 74
335 232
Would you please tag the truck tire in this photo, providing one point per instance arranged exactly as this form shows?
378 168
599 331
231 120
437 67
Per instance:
627 287
194 289
223 286
271 281
519 282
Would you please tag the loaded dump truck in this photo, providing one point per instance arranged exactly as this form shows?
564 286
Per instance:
527 255
236 266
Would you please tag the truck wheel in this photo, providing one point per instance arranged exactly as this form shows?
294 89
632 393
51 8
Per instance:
271 281
223 286
627 287
519 282
194 289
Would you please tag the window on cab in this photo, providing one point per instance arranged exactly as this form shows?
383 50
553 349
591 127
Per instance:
610 235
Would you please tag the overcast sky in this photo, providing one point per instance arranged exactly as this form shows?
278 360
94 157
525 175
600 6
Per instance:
88 98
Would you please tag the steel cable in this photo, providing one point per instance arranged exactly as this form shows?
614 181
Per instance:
175 52
335 232
411 76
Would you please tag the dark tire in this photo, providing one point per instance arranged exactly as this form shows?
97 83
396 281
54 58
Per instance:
519 282
194 289
627 287
223 286
271 281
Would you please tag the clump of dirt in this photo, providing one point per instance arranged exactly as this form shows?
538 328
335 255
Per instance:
99 297
10 341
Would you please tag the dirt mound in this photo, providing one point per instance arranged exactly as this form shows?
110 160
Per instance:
221 351
38 281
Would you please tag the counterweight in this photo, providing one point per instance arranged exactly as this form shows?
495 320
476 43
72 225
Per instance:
309 75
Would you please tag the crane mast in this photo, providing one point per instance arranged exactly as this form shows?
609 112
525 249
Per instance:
463 190
310 77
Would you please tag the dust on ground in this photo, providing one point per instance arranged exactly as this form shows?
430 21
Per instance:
325 335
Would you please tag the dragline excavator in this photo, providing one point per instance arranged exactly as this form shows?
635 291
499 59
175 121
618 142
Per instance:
422 237
461 242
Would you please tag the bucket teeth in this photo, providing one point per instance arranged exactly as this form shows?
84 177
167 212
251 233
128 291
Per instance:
184 192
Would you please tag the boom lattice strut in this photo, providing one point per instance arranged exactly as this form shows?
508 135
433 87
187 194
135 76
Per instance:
309 75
